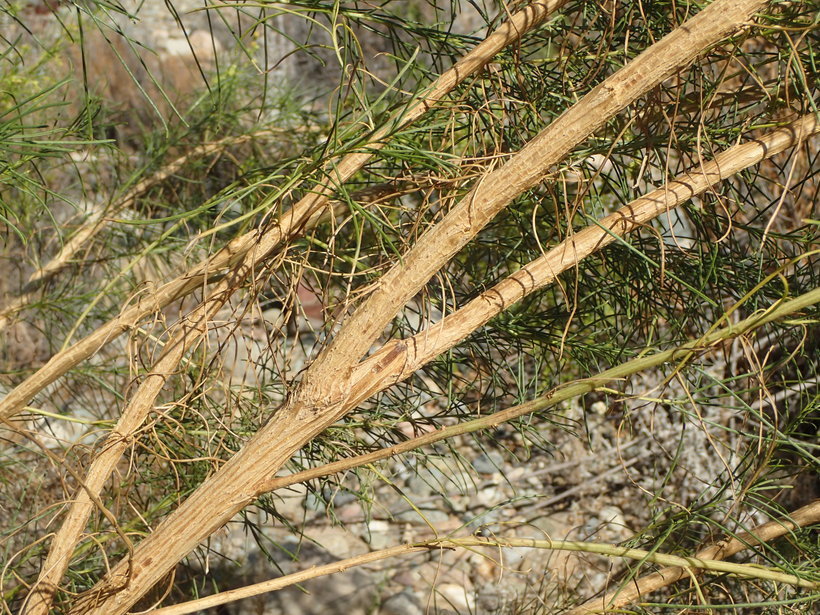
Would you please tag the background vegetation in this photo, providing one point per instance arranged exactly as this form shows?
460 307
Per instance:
149 144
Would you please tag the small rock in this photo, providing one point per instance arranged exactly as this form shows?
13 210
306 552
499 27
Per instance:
511 557
314 502
489 497
612 515
488 463
419 487
485 524
493 598
291 505
403 603
549 527
379 535
343 498
486 569
338 541
613 523
458 503
350 513
406 578
456 597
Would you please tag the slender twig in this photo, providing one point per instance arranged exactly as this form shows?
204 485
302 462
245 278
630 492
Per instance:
554 397
326 393
191 328
408 355
686 563
800 518
636 589
81 237
302 216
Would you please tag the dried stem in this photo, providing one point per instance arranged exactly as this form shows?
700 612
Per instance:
408 355
523 171
325 392
556 396
684 566
291 223
635 590
191 329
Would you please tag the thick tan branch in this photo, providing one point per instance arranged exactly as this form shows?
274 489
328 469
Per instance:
301 216
800 518
497 189
187 333
555 397
183 336
399 359
324 395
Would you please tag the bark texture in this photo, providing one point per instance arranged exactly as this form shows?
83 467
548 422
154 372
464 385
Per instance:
291 223
192 328
326 392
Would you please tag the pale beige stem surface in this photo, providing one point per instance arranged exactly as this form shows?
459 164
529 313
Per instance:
324 394
291 223
183 335
399 359
800 518
560 394
497 189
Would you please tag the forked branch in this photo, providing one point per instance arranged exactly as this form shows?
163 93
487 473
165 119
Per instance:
291 223
190 330
325 393
399 359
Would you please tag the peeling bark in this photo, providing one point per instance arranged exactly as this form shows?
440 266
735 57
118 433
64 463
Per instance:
192 328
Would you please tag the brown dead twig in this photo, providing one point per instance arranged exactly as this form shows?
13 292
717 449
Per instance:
705 559
191 329
326 392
